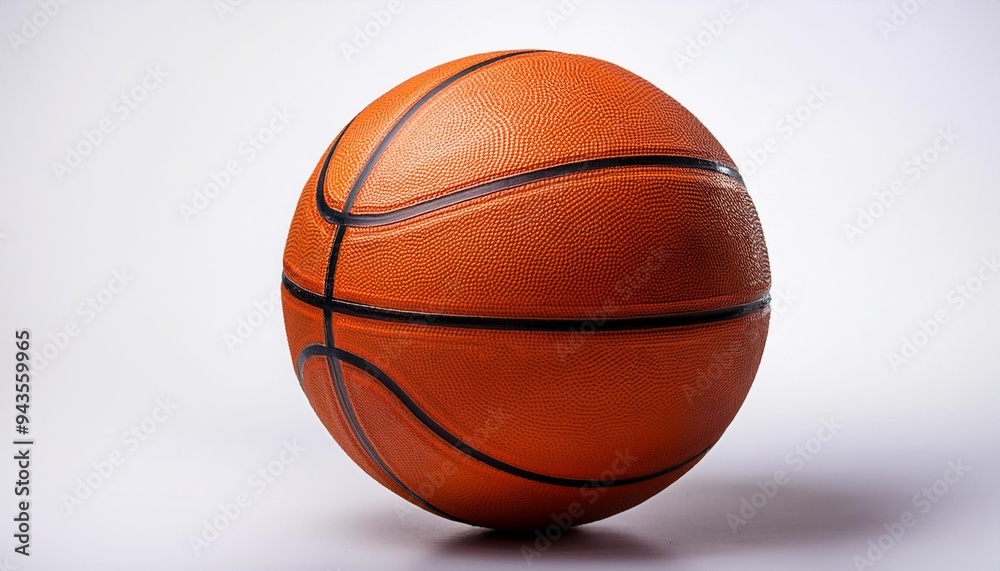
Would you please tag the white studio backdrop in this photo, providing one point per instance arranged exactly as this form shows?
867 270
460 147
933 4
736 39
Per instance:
151 154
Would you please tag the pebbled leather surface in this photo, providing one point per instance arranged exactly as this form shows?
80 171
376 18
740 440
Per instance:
614 242
310 237
523 113
476 493
375 121
608 243
568 399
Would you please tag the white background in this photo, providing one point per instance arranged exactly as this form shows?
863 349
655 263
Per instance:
842 305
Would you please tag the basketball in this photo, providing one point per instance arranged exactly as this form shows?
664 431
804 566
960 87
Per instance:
525 289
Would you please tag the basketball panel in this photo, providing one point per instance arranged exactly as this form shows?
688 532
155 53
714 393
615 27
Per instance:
370 126
525 113
561 401
479 494
610 243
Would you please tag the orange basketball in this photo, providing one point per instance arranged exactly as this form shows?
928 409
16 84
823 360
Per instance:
526 289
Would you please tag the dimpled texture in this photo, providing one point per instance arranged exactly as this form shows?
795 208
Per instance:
516 428
525 113
547 250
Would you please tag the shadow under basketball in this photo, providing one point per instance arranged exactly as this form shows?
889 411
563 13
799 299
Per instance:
690 521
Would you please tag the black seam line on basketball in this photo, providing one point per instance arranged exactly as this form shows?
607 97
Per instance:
340 388
404 399
347 409
321 204
524 323
331 268
522 179
331 263
328 287
329 213
304 355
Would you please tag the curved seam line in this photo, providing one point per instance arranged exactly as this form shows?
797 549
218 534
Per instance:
665 320
327 211
321 204
521 179
336 375
386 381
353 423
